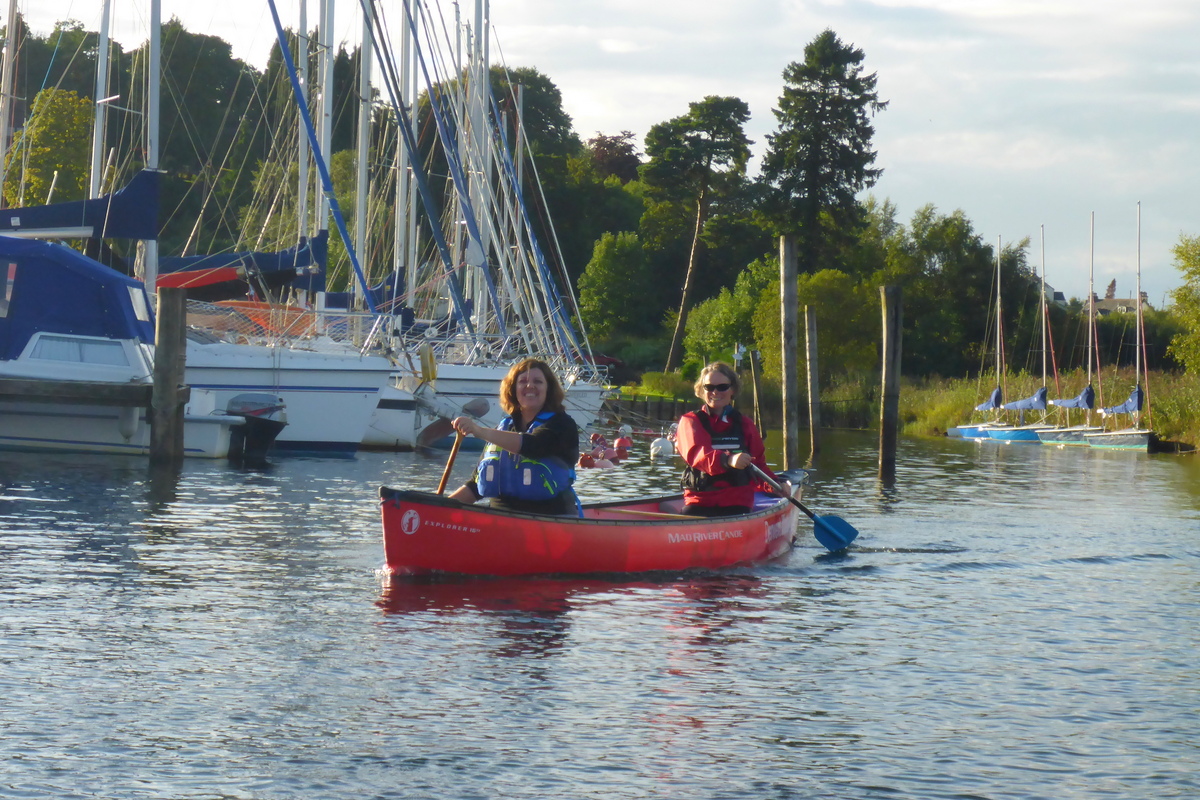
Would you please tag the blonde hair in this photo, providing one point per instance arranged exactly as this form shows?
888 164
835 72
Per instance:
508 387
724 369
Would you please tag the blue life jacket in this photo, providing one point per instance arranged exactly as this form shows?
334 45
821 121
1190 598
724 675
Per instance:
503 474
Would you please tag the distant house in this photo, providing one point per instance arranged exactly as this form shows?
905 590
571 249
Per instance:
1055 296
1116 305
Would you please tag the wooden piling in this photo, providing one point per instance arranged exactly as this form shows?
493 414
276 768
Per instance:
889 405
814 388
788 315
169 394
754 367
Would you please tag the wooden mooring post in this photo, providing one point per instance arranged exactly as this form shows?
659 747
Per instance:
814 388
788 313
169 395
754 370
889 404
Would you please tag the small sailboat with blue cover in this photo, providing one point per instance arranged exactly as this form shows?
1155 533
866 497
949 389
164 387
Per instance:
995 401
1036 401
1022 432
1065 435
1133 437
1072 434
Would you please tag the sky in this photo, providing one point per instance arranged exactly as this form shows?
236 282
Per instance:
1029 116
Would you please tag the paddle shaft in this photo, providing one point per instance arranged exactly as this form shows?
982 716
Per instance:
458 437
659 514
782 492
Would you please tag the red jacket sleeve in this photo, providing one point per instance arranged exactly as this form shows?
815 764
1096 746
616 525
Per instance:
695 446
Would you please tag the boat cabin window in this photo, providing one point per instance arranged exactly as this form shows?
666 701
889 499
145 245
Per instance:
80 351
10 276
141 309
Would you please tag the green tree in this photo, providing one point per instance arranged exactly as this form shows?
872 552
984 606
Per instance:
546 124
1185 346
614 287
720 323
847 323
53 149
820 156
693 157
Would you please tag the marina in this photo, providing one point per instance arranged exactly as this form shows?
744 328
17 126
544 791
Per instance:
229 633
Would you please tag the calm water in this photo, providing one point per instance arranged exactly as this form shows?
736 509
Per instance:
1013 622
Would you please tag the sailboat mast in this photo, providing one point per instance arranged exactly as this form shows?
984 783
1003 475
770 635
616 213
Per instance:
102 48
301 134
7 79
364 139
1137 359
999 327
153 98
1091 296
325 134
1045 319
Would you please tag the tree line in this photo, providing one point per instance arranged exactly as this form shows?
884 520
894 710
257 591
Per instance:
671 251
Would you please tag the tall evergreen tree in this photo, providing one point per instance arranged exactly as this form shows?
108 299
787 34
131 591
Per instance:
820 157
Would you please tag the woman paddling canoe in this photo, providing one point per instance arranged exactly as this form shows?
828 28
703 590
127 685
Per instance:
529 459
718 445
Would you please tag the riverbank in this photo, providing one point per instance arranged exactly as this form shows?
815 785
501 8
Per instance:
931 406
1172 410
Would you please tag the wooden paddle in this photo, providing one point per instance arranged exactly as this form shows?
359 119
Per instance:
832 532
458 437
658 514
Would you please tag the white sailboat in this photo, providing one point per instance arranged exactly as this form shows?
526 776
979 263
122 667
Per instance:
1073 435
979 431
1037 401
1132 437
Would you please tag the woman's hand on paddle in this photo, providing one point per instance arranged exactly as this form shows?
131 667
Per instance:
466 426
739 460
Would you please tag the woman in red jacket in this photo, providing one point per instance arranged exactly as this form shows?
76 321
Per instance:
718 445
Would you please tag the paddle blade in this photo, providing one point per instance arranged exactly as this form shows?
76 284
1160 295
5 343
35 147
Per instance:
834 533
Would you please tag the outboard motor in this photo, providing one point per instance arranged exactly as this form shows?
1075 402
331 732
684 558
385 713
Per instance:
264 416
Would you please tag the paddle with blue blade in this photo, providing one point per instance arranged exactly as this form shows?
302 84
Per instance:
834 533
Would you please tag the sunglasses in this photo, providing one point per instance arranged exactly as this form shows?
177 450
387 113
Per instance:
716 387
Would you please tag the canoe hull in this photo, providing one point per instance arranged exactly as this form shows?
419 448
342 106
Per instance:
427 534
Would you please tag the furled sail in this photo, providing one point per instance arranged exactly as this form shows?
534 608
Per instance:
992 402
1131 406
1036 401
1085 399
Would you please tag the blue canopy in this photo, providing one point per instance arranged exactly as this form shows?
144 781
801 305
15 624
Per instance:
297 266
992 402
1036 401
1086 399
50 287
130 213
1131 406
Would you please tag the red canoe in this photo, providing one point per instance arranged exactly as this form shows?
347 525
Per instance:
426 533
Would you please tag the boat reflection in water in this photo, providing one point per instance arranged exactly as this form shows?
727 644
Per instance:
535 613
